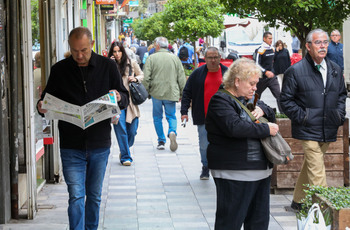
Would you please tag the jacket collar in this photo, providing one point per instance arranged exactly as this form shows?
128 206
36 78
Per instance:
331 71
162 50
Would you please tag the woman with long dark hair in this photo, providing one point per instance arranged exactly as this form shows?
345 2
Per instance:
126 129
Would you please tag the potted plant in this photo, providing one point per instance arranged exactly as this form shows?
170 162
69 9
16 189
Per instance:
334 203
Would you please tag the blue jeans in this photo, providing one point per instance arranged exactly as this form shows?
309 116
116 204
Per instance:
203 144
125 134
170 109
83 172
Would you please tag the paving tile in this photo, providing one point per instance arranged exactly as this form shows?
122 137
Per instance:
161 190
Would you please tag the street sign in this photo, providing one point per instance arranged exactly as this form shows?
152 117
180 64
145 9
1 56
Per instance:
129 20
98 2
134 3
106 7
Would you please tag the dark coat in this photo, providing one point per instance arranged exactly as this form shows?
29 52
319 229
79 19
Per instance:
282 61
194 91
316 111
66 82
335 53
141 51
230 134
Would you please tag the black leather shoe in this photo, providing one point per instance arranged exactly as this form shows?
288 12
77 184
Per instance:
296 206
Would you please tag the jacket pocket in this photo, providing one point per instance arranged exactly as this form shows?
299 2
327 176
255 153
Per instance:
307 111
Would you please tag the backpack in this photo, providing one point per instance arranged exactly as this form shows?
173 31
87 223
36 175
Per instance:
183 54
255 53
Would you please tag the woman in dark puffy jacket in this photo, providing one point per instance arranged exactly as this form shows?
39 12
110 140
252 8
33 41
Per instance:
281 61
235 155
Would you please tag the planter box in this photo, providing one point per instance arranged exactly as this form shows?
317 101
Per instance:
284 177
341 218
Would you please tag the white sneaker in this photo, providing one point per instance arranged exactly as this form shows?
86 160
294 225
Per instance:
173 144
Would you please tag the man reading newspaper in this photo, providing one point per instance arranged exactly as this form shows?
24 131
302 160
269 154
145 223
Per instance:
80 79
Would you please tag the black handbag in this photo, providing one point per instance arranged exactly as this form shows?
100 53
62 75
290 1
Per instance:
276 149
137 91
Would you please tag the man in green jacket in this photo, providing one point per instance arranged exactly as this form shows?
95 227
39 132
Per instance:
164 80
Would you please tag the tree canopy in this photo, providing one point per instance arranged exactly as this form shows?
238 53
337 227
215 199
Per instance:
149 28
186 19
193 19
299 16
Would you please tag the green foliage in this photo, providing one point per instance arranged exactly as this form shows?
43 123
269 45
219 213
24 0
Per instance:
149 28
35 22
338 197
193 19
300 16
188 72
182 19
281 115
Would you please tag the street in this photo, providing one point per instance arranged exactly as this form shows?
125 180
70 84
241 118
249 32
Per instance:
161 190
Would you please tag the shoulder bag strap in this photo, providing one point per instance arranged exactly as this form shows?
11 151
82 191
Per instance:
240 103
130 69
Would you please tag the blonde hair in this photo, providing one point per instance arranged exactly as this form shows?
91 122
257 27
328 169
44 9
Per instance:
242 69
150 47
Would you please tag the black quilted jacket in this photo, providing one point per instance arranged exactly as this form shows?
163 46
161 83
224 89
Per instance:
316 111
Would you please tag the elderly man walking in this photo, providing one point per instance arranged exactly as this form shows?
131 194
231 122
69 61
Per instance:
200 87
335 49
164 80
313 97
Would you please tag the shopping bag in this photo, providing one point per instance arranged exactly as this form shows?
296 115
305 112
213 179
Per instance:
314 220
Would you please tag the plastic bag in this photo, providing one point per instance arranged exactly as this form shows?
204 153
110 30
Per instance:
314 220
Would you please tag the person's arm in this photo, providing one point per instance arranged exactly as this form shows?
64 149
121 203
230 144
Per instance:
49 88
147 71
138 74
186 97
181 77
288 98
342 98
228 120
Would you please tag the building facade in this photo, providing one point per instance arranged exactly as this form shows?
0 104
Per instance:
34 36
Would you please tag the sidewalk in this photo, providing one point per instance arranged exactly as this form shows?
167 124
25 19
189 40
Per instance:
161 190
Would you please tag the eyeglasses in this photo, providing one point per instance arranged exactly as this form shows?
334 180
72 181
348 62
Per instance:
318 42
335 35
212 58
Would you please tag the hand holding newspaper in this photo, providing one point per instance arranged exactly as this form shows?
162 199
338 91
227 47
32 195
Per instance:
83 116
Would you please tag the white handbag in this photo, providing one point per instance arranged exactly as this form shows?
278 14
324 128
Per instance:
314 220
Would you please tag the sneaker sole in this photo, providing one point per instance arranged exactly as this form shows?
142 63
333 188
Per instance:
127 163
161 148
204 178
173 144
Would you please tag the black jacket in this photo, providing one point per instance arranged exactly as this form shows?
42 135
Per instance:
66 83
194 91
231 132
141 51
316 112
282 61
265 57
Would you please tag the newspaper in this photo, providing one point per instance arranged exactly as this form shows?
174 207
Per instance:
83 116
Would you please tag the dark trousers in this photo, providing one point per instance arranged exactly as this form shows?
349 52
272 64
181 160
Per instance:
273 85
242 202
